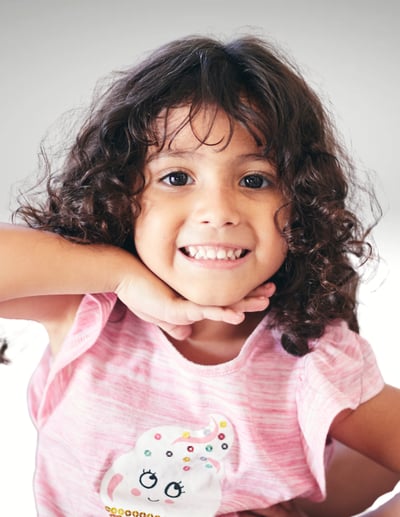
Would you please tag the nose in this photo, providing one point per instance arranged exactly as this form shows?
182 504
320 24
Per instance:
217 207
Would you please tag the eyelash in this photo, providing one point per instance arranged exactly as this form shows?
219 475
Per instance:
175 174
265 182
261 180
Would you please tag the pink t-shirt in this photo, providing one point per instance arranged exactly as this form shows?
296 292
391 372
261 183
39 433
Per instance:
128 426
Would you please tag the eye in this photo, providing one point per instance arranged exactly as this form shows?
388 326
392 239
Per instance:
173 490
255 181
148 479
177 179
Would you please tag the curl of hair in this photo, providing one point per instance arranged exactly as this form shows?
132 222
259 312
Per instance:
95 196
3 349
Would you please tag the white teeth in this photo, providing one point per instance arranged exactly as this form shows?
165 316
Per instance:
191 251
213 253
222 254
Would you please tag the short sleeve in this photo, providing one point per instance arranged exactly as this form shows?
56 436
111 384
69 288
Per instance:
52 374
340 372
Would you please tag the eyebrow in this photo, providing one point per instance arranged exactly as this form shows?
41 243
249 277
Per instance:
168 154
186 154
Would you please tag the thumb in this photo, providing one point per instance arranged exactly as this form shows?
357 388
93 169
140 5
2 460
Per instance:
179 332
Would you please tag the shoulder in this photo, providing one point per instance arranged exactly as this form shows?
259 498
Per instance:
60 319
82 317
341 352
55 312
340 373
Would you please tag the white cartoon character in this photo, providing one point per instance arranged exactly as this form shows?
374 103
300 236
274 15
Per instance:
172 471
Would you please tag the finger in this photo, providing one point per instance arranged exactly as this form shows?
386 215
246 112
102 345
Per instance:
176 331
179 332
177 318
267 289
187 313
256 304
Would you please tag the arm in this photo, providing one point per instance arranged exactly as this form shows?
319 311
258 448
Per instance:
37 263
57 272
43 277
373 429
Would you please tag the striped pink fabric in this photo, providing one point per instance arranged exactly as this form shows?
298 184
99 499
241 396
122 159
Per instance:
128 426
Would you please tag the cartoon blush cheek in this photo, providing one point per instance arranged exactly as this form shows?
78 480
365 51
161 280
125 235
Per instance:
136 492
114 482
168 501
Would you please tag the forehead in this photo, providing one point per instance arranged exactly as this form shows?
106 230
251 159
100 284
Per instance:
182 127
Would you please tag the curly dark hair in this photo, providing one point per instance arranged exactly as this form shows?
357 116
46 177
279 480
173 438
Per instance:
3 348
93 198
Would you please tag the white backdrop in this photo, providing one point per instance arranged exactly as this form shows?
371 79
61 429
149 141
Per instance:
51 55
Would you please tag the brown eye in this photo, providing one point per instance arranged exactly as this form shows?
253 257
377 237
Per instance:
177 179
255 181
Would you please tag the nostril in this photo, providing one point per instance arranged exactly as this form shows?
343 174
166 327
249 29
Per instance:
224 223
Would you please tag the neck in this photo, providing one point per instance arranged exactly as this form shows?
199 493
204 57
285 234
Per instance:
215 342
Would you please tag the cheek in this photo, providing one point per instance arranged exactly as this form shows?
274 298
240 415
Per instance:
156 229
155 245
146 229
156 217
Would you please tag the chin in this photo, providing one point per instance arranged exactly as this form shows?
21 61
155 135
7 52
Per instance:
215 298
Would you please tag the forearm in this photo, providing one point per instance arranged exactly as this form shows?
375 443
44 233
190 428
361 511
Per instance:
36 263
372 429
40 263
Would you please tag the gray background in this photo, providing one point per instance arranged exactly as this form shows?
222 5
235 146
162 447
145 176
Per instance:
51 55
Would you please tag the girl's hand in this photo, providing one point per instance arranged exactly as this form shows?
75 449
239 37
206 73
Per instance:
153 301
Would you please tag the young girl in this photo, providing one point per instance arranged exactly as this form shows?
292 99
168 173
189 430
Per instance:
195 264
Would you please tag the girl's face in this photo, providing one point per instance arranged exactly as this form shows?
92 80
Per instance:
207 226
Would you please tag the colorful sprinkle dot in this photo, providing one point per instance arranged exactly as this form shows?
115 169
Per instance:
169 453
223 423
158 436
147 452
186 434
221 436
190 448
209 448
186 468
224 446
186 459
209 466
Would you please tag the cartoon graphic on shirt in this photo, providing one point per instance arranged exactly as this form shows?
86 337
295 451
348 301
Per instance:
172 471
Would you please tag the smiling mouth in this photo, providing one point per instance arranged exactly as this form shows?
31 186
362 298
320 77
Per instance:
213 252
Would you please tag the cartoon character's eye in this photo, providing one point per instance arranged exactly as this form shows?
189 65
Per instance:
148 479
174 489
